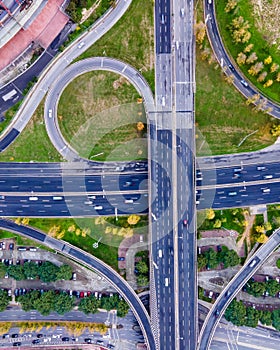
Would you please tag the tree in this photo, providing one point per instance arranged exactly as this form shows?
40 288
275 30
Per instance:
27 300
262 238
133 219
48 271
210 214
89 305
267 60
252 317
201 261
217 223
255 69
231 4
142 280
140 126
64 272
16 272
4 299
108 303
229 257
274 67
256 288
278 77
272 287
229 79
266 318
276 319
3 270
236 313
122 308
262 76
142 267
30 269
252 58
63 303
200 31
268 83
248 48
241 58
260 229
45 304
211 257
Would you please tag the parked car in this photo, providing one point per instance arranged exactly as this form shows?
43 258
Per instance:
11 246
65 339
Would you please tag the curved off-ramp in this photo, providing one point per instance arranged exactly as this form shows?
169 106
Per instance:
91 262
56 67
75 70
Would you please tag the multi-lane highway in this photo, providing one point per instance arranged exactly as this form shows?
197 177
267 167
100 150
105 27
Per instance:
173 274
91 262
233 287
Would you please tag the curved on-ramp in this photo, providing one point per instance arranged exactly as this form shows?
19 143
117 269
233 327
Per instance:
75 70
91 262
228 294
225 60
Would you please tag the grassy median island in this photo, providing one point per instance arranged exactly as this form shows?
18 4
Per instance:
83 233
263 19
131 39
222 115
33 143
98 115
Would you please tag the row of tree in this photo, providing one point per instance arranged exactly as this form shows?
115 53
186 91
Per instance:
240 315
47 272
211 259
61 303
257 289
265 69
142 269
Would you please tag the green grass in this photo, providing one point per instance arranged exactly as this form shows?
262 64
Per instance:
222 116
32 144
96 116
232 219
107 250
261 45
131 39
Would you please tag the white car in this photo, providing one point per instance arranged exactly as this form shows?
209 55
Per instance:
81 44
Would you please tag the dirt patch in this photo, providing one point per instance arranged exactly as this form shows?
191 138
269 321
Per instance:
267 14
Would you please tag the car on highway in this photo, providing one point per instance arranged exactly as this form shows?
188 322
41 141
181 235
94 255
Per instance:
232 193
185 222
244 83
88 340
182 11
81 44
266 177
231 67
50 113
261 168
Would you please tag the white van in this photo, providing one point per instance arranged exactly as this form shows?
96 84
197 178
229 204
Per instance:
166 281
163 101
128 201
57 198
160 253
232 193
98 207
33 198
50 113
266 190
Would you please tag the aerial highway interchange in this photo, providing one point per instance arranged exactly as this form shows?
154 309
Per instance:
83 186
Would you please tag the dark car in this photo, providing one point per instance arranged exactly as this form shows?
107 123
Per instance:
40 335
18 343
231 67
15 335
98 341
7 335
16 293
65 339
36 341
219 248
110 346
121 258
11 246
88 340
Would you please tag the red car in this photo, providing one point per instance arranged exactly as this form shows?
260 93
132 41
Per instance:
82 295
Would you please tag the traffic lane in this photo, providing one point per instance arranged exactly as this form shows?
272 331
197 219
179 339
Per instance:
71 183
239 173
237 196
73 205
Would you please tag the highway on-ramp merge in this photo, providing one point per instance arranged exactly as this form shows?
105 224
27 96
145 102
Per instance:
234 286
